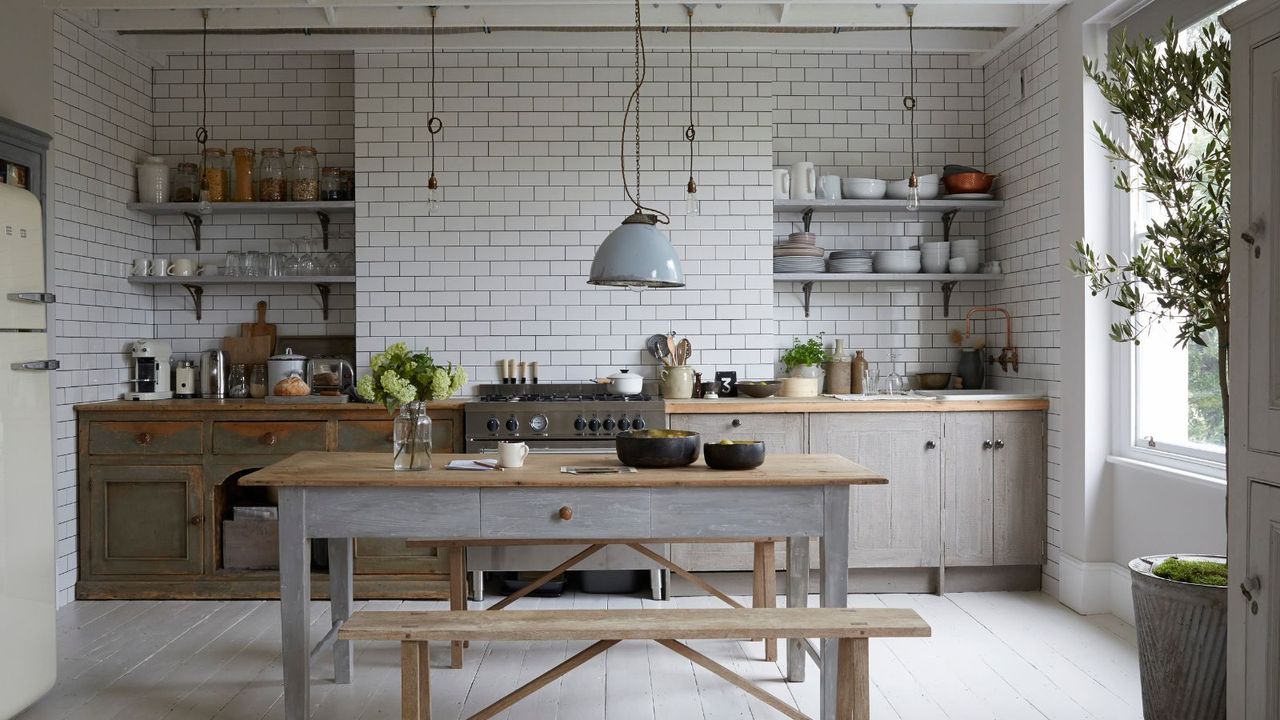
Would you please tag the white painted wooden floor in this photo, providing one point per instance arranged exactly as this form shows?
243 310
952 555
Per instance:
993 655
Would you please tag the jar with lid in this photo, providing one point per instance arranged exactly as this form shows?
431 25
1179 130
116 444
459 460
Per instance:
348 184
242 174
238 382
186 183
330 184
153 180
215 174
304 183
271 172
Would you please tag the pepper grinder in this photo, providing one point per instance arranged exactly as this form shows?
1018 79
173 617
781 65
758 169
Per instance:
697 384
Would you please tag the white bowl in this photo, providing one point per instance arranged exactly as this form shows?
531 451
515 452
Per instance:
936 248
934 264
896 261
897 189
958 265
862 188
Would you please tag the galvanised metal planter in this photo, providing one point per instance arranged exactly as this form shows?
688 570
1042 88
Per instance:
1182 643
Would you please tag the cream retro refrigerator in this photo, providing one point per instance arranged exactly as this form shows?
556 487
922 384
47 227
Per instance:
28 656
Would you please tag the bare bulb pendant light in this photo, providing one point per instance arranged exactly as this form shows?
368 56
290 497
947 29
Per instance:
691 204
205 206
909 102
434 125
637 254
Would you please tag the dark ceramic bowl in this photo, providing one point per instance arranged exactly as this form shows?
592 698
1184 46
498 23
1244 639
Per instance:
934 380
759 388
737 455
658 448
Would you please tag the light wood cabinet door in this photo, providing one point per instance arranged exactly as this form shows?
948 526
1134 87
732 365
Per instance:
967 489
1020 473
375 435
268 438
894 525
781 433
146 520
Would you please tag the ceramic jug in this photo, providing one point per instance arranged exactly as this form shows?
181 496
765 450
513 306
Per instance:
804 181
781 184
677 382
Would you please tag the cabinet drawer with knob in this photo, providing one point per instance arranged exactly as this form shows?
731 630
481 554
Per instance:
520 513
376 435
267 438
146 438
781 432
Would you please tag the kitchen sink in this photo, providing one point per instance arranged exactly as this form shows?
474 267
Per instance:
979 395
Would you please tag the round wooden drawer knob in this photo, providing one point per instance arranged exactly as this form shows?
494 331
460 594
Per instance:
566 513
143 439
736 422
268 439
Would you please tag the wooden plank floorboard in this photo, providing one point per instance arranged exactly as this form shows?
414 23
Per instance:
628 688
539 658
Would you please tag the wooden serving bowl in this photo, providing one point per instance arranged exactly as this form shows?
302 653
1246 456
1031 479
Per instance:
968 182
658 448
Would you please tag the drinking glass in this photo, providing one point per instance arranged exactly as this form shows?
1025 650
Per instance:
275 264
894 384
870 379
253 266
234 266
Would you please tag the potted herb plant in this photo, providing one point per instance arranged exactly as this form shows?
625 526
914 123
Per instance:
403 382
803 363
1175 101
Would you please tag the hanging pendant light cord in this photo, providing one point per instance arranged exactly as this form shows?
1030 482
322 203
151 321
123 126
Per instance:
909 102
434 124
641 71
202 132
691 132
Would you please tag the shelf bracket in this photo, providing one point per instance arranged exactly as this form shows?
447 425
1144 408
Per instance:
807 217
197 297
808 292
195 221
323 289
324 227
947 287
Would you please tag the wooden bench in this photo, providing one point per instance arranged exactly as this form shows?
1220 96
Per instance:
853 628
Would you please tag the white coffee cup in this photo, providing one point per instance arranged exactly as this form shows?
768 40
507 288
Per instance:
183 267
829 187
160 268
142 267
512 454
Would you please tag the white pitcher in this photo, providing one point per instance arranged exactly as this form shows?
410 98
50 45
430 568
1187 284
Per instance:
804 181
781 184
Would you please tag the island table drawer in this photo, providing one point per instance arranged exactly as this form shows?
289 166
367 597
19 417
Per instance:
733 512
268 438
146 438
546 513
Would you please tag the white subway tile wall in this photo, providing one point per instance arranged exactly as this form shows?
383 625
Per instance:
279 100
1022 145
529 163
844 112
102 126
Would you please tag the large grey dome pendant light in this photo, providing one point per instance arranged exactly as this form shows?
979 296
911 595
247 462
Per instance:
637 254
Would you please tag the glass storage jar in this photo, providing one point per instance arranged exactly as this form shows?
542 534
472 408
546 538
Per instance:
186 183
348 184
330 184
215 174
304 183
242 174
411 431
153 180
238 382
271 176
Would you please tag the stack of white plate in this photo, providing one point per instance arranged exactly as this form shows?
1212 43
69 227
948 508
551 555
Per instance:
850 261
800 254
798 264
966 248
934 256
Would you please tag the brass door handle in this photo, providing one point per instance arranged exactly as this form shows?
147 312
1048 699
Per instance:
268 439
143 438
566 513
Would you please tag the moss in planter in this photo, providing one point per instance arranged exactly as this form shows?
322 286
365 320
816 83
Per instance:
1199 572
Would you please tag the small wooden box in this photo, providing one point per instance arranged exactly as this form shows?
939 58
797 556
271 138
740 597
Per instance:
251 544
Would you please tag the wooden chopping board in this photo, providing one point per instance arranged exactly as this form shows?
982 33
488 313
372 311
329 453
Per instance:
261 328
242 350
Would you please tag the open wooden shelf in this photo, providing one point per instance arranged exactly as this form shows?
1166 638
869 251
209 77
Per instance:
939 205
195 284
948 281
245 208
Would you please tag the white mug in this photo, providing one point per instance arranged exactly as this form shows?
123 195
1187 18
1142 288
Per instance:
781 184
512 454
804 181
182 267
829 187
160 268
142 267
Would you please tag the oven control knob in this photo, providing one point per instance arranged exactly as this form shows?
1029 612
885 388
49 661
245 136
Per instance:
512 424
594 424
638 423
492 424
624 424
609 424
580 424
538 423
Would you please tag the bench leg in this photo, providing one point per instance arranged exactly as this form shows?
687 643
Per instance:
415 681
797 596
853 680
457 596
765 586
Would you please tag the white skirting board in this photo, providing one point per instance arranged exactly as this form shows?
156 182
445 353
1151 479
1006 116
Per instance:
1090 588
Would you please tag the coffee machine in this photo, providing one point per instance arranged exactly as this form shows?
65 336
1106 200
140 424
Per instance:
151 376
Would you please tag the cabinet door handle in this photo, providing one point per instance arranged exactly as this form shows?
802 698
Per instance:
197 520
391 437
736 422
999 444
987 445
929 445
268 439
566 513
143 438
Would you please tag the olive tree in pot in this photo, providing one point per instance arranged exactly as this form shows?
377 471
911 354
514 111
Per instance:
1175 101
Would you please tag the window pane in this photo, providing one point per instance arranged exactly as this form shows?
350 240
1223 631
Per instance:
1177 403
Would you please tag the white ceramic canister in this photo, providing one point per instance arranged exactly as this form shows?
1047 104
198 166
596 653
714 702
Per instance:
781 184
153 180
804 181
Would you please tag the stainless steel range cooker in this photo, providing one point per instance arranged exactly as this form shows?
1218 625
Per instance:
559 418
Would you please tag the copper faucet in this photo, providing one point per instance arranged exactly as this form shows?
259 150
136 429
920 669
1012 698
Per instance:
1008 354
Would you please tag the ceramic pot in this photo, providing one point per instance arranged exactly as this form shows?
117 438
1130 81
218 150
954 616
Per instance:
971 370
677 382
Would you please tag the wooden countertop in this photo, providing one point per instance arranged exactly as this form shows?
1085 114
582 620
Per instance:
831 405
241 405
328 469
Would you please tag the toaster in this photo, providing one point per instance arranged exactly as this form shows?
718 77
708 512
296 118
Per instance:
330 375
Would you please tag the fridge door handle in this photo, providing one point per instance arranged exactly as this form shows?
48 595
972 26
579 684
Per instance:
36 365
39 298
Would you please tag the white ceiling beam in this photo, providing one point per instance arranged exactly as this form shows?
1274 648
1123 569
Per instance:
1034 19
925 5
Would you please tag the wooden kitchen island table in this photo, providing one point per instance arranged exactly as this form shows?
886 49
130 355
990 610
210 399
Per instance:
340 496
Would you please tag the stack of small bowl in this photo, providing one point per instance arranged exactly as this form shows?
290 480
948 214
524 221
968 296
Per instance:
799 254
934 256
966 248
897 261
